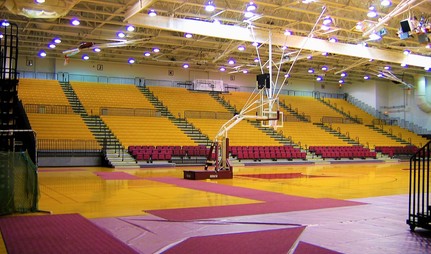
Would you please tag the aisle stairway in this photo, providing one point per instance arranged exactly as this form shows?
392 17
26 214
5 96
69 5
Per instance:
114 154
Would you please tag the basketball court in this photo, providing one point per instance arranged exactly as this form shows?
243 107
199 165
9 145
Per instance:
345 208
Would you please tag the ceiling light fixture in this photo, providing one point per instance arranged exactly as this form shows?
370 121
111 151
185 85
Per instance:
42 53
85 57
5 23
427 68
343 74
327 20
152 13
288 32
319 78
310 70
39 1
245 71
241 48
222 69
333 39
75 22
287 75
156 50
51 46
210 6
231 61
366 77
97 50
256 60
309 57
372 12
386 3
188 35
147 54
407 52
121 34
341 81
324 68
130 28
387 67
185 66
131 61
404 65
251 6
56 40
255 44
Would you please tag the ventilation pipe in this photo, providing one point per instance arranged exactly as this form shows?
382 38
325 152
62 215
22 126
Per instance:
421 94
48 10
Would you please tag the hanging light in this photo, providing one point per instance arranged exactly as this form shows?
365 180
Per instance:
319 78
387 67
380 75
327 20
427 68
85 57
97 50
131 61
251 6
407 52
152 13
385 3
51 46
42 53
147 54
366 77
404 65
188 35
231 61
324 68
341 81
185 66
343 74
57 40
309 57
372 12
256 60
130 28
222 68
287 75
310 70
245 71
255 44
288 32
156 50
121 34
40 1
241 48
75 22
210 6
333 39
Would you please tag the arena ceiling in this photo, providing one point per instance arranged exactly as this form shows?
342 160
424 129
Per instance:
217 35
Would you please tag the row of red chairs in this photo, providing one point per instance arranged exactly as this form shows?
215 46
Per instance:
267 152
339 152
235 149
396 150
151 153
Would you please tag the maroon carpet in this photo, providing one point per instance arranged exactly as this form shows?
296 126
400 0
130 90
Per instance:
271 202
279 176
307 248
268 241
116 176
69 233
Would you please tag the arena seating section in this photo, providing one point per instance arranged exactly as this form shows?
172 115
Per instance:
50 115
150 137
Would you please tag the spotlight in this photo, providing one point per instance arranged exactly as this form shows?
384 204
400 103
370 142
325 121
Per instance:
341 81
309 57
5 23
287 75
343 74
121 34
75 22
188 35
231 61
57 40
85 57
385 3
42 53
366 77
310 70
324 68
210 6
131 61
185 66
130 28
319 78
288 32
333 39
251 6
222 69
256 60
156 50
97 50
327 20
51 46
147 54
241 48
387 67
152 13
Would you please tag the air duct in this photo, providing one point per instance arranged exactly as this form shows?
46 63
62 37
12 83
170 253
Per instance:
421 94
51 9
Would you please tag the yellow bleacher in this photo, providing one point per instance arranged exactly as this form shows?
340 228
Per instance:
178 100
61 127
243 134
367 137
41 91
308 135
350 109
95 96
140 130
309 106
405 134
